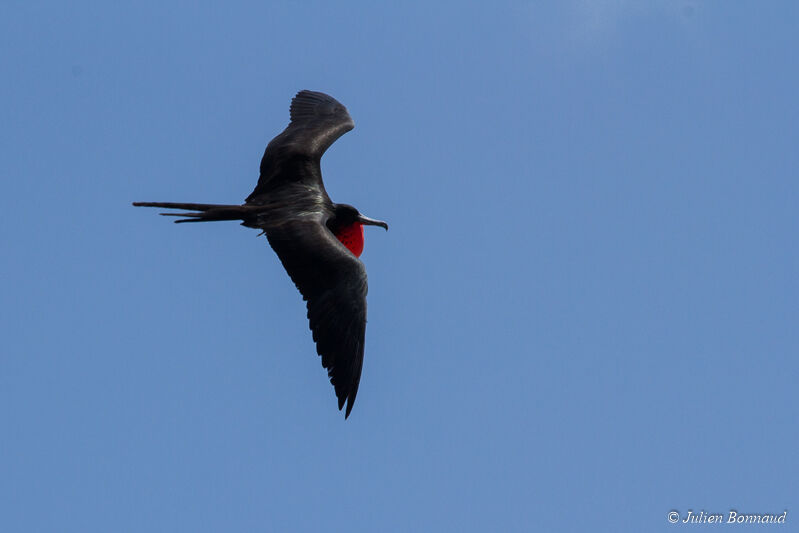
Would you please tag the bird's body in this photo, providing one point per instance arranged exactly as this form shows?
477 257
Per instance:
317 241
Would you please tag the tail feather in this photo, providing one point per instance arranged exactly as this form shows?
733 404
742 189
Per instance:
204 212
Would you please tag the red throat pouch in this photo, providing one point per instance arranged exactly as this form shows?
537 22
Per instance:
352 237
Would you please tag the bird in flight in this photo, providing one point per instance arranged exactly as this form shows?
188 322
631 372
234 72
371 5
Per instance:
318 241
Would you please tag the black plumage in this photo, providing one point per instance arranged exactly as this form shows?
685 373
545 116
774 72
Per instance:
304 227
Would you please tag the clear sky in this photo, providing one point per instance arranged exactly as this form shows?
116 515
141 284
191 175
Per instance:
583 317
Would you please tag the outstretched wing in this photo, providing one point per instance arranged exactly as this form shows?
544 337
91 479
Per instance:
333 283
292 157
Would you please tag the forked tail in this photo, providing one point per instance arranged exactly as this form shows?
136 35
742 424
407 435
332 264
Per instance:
204 212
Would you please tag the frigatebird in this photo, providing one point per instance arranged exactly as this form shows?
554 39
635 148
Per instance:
318 241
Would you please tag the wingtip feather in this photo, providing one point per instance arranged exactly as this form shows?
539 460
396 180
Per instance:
306 104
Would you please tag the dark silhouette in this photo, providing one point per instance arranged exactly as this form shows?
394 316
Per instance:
317 241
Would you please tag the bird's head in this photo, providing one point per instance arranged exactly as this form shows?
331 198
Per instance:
347 225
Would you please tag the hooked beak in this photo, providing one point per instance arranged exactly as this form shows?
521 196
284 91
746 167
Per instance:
366 221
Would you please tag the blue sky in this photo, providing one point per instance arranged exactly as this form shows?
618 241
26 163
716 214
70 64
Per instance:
583 317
